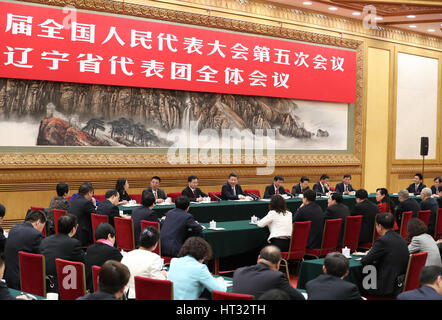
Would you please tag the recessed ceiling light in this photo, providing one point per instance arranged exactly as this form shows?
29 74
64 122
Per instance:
431 30
332 8
307 3
356 13
411 16
379 18
412 26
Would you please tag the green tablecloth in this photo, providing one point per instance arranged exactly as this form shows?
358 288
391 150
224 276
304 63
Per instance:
310 269
16 293
238 237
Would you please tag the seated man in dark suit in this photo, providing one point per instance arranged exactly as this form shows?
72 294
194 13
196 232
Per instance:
431 285
337 210
311 211
321 187
277 187
192 191
301 186
144 212
439 200
345 187
174 230
159 194
112 281
331 285
429 203
264 276
61 246
405 204
389 256
437 184
2 235
101 251
417 185
231 190
82 207
26 237
109 206
368 211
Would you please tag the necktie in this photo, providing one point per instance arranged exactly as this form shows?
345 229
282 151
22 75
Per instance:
194 193
415 187
234 191
277 191
345 188
155 194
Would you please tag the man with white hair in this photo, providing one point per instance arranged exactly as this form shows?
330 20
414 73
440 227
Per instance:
405 204
429 203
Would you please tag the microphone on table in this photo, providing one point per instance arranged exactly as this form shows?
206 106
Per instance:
254 196
216 197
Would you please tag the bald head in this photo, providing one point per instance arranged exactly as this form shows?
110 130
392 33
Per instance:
271 256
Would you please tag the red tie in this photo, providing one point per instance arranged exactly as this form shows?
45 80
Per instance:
194 193
277 191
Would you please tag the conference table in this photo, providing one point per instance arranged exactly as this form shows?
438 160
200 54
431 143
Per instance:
310 269
16 293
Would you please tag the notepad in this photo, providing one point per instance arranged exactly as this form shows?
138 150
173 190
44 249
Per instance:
216 229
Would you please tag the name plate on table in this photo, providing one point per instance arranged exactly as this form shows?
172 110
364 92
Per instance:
216 229
131 205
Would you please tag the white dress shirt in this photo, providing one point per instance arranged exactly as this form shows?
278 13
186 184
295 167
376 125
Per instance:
280 225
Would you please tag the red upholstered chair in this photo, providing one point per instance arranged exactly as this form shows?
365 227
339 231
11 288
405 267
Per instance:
330 237
424 215
173 195
212 198
253 191
153 289
95 272
124 233
438 231
220 295
136 197
298 243
100 197
57 214
332 188
287 190
406 216
71 279
96 220
156 225
351 232
415 264
32 273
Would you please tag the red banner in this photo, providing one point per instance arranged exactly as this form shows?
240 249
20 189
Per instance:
49 44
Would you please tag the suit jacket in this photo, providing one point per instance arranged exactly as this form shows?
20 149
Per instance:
258 279
297 189
97 254
21 237
432 205
338 211
368 210
107 208
312 212
425 242
434 190
160 193
411 188
142 213
82 209
404 206
422 293
318 188
270 191
327 287
4 292
2 240
389 255
60 246
340 187
99 295
227 192
187 192
439 201
174 231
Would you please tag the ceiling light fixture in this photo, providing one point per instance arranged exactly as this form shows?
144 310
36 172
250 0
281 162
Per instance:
332 8
411 16
307 3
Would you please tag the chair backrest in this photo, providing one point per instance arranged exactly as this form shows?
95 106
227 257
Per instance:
71 279
415 264
136 197
156 225
95 272
173 195
406 216
100 197
253 191
424 215
218 194
352 231
124 233
438 231
220 295
32 273
287 190
96 220
153 289
298 240
332 228
57 214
